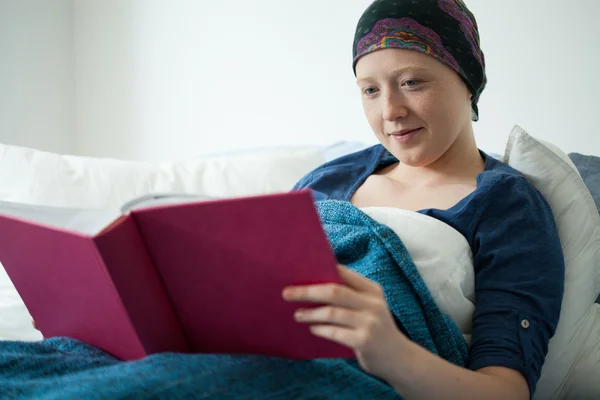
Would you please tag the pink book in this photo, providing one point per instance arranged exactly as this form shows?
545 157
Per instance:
191 276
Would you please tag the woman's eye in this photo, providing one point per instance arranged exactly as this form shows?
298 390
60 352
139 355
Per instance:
410 83
369 91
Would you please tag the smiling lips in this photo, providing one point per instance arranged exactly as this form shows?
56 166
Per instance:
404 132
406 135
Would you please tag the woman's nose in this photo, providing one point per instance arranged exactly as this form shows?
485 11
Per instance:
394 107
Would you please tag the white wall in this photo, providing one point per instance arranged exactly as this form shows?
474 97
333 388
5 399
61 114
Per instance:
36 74
161 80
106 59
543 59
166 80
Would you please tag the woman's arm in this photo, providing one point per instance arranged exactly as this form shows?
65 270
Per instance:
427 376
356 315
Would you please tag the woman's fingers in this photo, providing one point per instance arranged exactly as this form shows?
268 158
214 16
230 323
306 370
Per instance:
328 315
331 293
345 336
358 282
357 292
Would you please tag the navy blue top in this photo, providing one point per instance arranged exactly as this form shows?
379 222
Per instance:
518 260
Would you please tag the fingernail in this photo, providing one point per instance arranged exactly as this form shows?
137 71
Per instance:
298 314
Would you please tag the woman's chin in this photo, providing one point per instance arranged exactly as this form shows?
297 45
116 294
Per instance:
413 157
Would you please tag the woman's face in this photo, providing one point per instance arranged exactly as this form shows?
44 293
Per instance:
418 107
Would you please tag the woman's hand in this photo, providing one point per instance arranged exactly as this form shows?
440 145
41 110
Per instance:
355 315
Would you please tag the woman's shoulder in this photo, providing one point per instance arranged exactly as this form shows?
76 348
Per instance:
499 181
505 196
502 196
362 158
335 178
496 171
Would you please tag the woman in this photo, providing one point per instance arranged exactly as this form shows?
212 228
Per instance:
420 72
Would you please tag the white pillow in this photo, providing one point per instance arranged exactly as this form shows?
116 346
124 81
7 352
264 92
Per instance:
551 172
15 320
37 177
582 382
443 258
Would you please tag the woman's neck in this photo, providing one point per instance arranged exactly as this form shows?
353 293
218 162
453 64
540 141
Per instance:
459 164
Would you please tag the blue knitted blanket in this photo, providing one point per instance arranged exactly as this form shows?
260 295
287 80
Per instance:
62 368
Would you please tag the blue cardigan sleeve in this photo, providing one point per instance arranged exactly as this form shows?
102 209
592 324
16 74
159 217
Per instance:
519 278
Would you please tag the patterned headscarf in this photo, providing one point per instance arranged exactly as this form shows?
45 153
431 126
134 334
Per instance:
443 29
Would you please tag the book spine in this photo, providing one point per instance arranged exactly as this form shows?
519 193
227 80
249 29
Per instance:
140 288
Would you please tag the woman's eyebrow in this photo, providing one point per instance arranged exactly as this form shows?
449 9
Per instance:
396 72
408 68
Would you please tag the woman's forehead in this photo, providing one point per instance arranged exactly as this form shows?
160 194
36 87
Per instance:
390 61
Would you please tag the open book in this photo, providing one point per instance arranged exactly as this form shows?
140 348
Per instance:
172 273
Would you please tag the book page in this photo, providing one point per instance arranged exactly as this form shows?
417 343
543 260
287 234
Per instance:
160 199
85 221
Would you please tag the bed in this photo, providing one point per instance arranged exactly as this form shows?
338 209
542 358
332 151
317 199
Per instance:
571 184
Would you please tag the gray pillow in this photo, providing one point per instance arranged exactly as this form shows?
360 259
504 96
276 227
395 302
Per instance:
589 169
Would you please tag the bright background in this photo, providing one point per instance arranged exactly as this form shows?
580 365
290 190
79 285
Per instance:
158 79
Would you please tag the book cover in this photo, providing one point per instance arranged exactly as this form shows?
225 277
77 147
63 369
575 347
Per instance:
195 276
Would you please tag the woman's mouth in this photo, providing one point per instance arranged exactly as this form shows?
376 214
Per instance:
406 135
